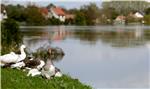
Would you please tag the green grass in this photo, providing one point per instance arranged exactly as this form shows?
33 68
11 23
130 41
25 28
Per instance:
17 79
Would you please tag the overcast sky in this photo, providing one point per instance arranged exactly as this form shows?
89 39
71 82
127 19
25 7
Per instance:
63 3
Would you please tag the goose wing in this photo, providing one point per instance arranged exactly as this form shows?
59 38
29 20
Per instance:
9 58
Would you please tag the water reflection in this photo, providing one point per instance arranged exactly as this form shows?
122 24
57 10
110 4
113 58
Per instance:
121 37
105 57
40 38
104 66
53 54
118 38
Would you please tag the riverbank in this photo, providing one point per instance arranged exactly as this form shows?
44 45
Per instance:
17 79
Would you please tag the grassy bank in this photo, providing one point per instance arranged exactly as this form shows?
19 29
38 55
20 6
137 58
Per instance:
17 79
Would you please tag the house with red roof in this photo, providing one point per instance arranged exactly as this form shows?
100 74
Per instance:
120 19
45 12
58 13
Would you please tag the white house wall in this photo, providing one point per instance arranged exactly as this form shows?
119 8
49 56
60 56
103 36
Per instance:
138 15
54 14
61 18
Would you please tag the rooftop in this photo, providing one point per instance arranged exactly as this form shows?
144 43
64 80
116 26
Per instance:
58 10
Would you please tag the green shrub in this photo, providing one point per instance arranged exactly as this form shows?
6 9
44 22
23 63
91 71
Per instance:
131 19
147 19
10 35
80 19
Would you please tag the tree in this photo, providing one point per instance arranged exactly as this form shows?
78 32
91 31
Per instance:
147 11
108 14
54 21
16 12
124 7
80 18
91 12
34 16
147 19
50 5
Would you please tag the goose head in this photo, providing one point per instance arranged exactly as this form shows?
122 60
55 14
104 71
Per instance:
55 53
23 47
56 50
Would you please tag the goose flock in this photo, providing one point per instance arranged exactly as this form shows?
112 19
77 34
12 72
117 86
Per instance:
34 66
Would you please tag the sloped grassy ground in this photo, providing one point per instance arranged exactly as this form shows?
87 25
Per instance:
17 79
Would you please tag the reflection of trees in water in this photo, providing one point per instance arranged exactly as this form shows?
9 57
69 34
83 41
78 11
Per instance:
118 38
35 38
87 35
52 33
147 34
44 54
121 39
40 51
38 34
34 44
38 41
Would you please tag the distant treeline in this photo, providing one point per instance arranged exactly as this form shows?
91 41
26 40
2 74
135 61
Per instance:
87 14
125 7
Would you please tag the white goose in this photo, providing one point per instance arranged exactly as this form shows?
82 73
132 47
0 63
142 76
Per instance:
42 63
34 66
34 72
12 57
18 65
48 70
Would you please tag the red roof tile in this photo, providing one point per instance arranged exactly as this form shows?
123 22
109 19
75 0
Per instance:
58 11
44 11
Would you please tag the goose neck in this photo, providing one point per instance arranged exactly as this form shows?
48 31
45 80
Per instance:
22 51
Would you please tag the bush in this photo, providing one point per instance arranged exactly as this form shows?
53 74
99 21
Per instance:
10 35
54 21
131 19
147 19
80 19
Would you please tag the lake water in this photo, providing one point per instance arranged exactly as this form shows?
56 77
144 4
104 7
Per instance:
101 56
